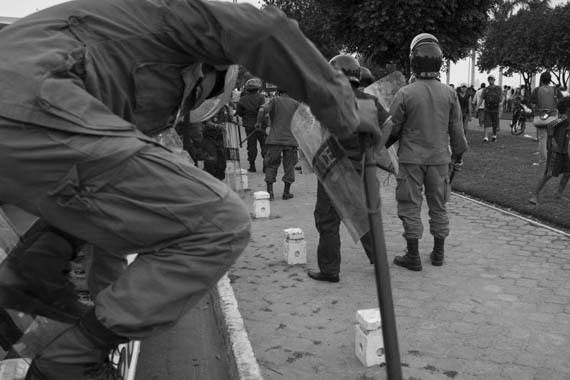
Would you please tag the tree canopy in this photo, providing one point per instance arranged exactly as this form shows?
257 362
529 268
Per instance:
533 39
381 30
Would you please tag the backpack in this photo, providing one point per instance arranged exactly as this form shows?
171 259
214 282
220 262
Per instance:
492 98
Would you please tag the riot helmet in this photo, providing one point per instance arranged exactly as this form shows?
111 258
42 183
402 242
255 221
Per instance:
349 67
426 56
366 77
253 84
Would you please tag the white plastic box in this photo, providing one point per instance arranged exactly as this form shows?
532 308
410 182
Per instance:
368 339
261 204
294 246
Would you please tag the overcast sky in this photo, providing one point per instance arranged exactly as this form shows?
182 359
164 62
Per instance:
21 8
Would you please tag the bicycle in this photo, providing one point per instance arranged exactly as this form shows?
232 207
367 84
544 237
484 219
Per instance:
520 115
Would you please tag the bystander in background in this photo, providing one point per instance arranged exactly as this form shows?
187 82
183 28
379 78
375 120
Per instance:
558 161
543 101
465 105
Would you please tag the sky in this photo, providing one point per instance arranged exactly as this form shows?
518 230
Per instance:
460 72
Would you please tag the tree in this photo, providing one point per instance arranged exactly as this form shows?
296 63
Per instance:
313 21
557 57
381 30
527 37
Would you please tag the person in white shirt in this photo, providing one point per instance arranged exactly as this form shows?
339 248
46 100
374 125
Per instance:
476 100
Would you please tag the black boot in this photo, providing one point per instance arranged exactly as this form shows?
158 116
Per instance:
287 192
33 277
251 167
80 352
270 191
411 259
437 253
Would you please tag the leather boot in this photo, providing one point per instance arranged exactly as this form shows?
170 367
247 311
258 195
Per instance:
80 352
411 260
251 167
270 191
437 253
33 277
287 192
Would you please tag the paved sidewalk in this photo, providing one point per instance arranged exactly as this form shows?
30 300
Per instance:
499 308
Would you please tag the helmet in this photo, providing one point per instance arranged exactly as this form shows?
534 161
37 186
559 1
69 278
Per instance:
253 84
348 65
426 56
366 77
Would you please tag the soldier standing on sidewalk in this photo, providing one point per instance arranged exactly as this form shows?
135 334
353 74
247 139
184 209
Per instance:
426 117
247 108
280 142
327 219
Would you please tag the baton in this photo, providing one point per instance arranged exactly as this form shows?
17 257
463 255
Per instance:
381 269
239 134
248 136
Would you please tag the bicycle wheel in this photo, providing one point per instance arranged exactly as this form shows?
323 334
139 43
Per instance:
518 127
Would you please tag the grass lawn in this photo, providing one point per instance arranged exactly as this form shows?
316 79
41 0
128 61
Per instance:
502 174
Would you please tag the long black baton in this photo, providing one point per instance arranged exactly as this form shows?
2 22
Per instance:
248 136
381 269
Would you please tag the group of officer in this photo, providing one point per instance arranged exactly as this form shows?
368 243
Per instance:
425 117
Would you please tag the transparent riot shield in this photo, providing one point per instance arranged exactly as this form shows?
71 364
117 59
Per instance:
235 175
384 89
333 169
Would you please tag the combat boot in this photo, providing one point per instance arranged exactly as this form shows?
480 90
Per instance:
411 260
33 276
436 255
270 191
80 352
287 192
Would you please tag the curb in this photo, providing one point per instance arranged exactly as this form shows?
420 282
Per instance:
240 355
530 221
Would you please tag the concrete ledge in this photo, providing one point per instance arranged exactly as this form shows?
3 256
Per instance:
240 356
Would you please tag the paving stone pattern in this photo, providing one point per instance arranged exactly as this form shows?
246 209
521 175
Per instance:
499 308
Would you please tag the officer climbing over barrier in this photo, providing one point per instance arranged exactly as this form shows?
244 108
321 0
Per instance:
84 87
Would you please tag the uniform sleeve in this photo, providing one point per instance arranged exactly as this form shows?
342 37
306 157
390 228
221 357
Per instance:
456 134
269 45
398 113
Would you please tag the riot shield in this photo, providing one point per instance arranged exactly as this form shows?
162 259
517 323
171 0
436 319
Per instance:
234 173
333 169
384 89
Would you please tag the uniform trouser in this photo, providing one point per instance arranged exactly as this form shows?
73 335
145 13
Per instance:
272 160
327 222
215 161
257 135
128 195
410 181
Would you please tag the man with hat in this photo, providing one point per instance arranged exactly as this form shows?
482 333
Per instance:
492 96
